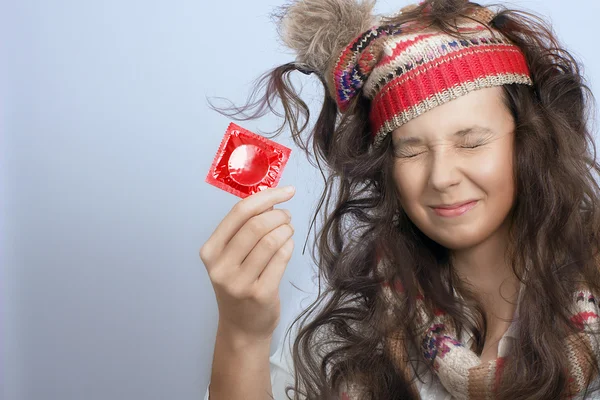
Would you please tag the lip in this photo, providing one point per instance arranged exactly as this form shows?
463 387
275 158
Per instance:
455 205
456 209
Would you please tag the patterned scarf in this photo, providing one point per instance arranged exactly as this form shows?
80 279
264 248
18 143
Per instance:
459 369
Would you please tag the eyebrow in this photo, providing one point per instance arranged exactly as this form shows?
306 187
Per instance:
462 133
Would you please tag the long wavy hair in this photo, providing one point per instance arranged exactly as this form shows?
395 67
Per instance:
554 224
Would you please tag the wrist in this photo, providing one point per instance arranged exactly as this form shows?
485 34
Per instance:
238 340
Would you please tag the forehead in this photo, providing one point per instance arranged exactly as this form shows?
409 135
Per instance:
479 112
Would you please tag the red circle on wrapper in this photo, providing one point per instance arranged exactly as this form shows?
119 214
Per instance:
247 163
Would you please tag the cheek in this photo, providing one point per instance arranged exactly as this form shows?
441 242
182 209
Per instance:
494 175
411 183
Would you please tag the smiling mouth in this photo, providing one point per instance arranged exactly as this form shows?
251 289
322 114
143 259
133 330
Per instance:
453 206
455 211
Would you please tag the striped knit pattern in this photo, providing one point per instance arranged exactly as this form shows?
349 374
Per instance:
459 369
408 70
356 63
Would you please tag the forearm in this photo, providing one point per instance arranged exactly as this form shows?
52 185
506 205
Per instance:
240 368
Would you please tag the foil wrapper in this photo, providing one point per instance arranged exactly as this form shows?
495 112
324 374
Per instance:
247 163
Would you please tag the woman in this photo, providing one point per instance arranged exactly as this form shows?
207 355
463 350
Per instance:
458 253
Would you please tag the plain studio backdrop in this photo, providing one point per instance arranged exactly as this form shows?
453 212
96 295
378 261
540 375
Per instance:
106 141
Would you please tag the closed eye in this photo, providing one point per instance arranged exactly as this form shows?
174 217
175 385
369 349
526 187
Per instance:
402 155
472 146
409 155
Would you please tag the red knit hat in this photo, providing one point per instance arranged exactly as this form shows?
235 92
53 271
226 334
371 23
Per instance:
407 70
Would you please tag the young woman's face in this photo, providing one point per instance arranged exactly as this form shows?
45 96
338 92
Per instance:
457 152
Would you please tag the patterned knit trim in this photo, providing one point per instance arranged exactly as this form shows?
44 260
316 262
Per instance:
400 44
481 378
401 49
577 347
491 60
349 74
576 350
399 354
417 54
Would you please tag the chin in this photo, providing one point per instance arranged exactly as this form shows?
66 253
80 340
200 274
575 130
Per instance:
458 239
457 244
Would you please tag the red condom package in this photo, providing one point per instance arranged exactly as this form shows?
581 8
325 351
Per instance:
247 163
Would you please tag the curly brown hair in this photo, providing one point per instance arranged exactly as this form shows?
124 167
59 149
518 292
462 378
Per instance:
553 227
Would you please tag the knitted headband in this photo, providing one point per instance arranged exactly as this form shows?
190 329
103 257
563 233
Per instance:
407 71
404 70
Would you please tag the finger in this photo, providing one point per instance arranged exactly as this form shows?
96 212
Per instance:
239 215
261 254
270 278
255 230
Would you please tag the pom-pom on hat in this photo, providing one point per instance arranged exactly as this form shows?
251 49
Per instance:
405 70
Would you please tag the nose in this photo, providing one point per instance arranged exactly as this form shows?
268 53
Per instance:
444 169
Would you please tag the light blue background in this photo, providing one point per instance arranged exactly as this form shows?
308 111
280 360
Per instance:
106 141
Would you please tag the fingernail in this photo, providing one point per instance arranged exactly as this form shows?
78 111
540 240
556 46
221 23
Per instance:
289 214
289 189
